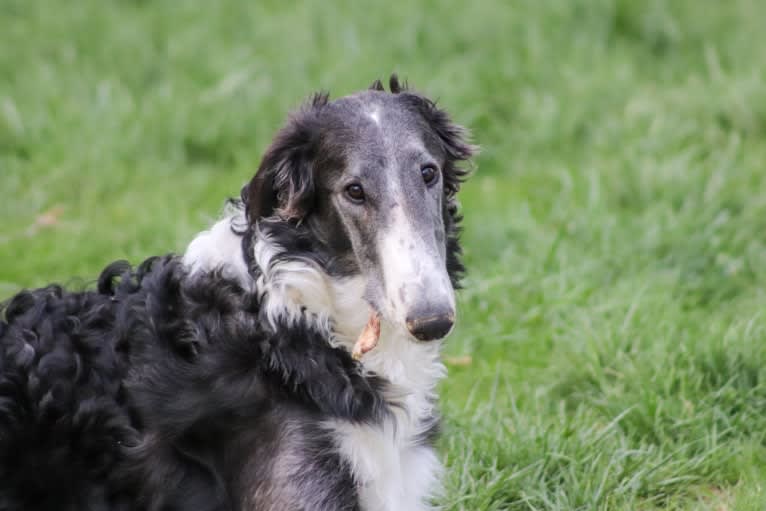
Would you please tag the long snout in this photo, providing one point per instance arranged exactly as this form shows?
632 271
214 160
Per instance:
419 296
419 293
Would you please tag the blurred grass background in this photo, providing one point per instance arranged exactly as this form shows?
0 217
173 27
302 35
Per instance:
615 227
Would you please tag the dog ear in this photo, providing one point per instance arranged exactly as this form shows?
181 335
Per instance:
284 182
377 85
395 86
455 141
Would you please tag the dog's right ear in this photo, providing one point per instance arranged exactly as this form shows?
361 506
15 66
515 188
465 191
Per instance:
284 183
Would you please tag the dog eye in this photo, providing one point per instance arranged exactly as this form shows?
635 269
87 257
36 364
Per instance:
355 193
429 174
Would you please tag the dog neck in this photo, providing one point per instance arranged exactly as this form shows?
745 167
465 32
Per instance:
298 289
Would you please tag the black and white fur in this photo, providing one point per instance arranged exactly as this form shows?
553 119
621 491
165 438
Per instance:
223 379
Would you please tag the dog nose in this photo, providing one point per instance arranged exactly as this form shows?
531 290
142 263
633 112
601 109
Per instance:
432 327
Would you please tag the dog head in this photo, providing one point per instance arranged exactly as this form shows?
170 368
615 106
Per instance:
365 185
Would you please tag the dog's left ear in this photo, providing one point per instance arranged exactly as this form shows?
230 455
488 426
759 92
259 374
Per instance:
455 141
284 182
454 138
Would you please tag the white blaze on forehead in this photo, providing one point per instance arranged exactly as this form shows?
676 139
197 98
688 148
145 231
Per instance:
374 114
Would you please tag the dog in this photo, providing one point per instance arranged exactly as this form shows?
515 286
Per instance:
223 379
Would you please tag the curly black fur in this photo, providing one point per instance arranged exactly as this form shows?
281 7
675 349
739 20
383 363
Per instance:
144 394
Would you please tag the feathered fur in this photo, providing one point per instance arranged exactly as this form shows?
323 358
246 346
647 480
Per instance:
222 379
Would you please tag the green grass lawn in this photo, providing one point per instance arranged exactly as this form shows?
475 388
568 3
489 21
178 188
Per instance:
615 226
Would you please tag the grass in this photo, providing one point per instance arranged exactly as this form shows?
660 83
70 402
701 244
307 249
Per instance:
615 228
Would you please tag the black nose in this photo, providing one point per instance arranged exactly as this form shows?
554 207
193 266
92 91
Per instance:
430 328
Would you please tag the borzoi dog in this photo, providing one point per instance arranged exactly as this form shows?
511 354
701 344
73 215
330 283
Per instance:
287 361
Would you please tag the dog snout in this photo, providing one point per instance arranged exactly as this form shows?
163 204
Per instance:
431 325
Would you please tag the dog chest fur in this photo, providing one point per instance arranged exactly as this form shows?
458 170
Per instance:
394 469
